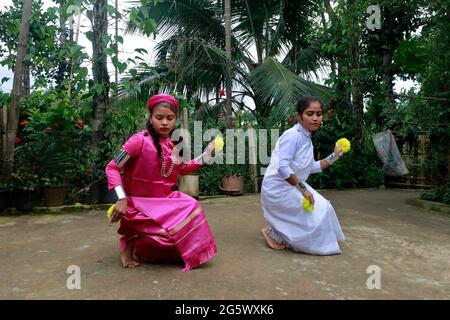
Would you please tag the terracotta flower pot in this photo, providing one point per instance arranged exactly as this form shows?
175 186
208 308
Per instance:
54 196
232 185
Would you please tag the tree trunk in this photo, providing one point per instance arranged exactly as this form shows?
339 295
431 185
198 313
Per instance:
357 99
100 73
13 115
388 80
26 81
63 65
227 17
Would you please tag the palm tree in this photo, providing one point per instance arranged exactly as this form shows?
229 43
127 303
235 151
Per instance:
227 20
193 57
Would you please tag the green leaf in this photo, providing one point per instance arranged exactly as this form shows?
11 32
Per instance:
149 27
111 10
89 35
122 66
141 50
74 49
105 39
119 39
110 51
83 72
98 88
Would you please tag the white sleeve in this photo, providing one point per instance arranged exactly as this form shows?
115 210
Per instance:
316 167
287 148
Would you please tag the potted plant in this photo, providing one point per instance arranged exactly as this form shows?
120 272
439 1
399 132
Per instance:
232 183
25 178
54 191
57 169
25 189
57 138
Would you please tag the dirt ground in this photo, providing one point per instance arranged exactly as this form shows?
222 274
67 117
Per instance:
409 245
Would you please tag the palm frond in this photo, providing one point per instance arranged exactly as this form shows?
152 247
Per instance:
279 88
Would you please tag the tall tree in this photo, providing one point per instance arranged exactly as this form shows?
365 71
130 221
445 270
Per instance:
193 54
100 72
13 114
227 18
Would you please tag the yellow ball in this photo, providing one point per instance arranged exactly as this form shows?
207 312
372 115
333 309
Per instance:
307 205
345 145
110 211
218 144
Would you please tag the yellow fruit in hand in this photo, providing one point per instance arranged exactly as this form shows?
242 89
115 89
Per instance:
110 211
307 205
345 145
218 144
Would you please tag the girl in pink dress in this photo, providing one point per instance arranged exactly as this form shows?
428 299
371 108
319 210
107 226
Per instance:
157 223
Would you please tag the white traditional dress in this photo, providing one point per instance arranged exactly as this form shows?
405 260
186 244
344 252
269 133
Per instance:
313 232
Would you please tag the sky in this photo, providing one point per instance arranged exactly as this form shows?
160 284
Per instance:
131 42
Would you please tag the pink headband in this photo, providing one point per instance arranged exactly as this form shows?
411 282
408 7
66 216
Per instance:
158 98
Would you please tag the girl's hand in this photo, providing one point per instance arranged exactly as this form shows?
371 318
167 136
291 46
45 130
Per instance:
338 151
308 195
210 148
119 210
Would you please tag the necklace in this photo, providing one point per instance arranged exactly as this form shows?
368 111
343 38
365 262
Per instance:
163 167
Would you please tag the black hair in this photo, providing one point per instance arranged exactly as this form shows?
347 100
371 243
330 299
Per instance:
304 102
155 137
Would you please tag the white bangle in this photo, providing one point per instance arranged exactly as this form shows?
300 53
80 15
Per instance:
120 192
204 157
332 158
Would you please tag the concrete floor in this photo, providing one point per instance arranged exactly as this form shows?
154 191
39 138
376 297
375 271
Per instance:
411 246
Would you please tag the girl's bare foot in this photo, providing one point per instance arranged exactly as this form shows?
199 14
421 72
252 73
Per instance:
127 257
271 242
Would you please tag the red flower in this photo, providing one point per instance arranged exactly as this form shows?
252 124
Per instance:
330 112
18 140
24 113
291 119
222 92
79 123
23 123
49 129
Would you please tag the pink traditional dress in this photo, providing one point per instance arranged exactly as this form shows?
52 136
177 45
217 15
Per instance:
162 224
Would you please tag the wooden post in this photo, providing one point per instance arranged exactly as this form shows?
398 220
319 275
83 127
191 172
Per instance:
185 125
3 126
252 157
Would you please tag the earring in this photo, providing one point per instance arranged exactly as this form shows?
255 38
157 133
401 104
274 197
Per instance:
321 123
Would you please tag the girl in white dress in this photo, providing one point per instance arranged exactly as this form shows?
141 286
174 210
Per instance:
284 187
